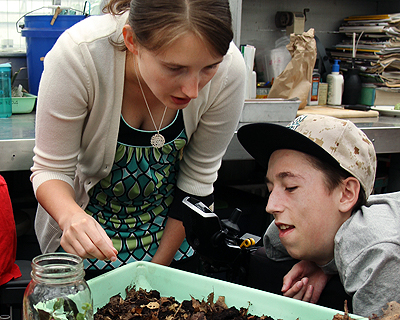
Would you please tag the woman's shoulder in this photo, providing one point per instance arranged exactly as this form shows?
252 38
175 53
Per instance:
233 61
231 72
97 27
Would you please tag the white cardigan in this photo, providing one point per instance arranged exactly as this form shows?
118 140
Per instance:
79 107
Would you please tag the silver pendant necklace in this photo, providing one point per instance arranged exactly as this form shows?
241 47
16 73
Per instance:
157 140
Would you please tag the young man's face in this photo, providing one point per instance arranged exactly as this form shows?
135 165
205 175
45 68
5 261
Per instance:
306 213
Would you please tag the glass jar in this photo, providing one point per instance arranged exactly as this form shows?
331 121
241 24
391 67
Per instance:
58 289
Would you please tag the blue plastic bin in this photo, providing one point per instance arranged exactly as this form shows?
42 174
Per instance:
40 37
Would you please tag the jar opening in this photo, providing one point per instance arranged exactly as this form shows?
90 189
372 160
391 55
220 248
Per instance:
57 267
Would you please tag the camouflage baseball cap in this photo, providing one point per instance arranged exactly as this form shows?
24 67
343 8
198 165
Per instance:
330 139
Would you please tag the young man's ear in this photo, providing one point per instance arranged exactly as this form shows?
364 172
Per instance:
129 39
350 191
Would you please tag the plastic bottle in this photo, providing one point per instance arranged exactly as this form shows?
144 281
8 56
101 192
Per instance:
352 87
335 85
313 95
322 93
5 90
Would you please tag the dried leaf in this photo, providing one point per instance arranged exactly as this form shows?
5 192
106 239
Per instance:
152 305
210 299
143 305
195 304
198 316
220 304
164 299
179 308
344 316
393 308
203 306
172 307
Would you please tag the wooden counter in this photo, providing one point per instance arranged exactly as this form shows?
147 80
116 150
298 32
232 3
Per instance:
338 112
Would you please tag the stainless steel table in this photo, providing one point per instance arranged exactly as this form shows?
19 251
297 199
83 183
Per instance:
17 139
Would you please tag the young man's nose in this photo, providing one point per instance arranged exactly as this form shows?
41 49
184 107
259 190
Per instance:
274 204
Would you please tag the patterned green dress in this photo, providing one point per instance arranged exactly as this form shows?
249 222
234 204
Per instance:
132 202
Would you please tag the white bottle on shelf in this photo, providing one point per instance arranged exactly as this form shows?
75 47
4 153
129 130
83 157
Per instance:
335 85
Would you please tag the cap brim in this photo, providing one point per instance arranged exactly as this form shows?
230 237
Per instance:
261 139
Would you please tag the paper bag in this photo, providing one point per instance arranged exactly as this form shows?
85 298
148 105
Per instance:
295 80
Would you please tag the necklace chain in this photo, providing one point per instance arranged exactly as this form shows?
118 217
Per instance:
157 140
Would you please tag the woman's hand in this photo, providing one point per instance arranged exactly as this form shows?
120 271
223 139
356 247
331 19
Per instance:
305 281
84 236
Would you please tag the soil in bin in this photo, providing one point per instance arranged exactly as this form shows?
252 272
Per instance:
149 305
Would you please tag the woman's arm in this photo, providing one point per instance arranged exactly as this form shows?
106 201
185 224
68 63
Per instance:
172 238
82 235
73 136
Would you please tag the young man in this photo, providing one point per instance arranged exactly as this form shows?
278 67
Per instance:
320 174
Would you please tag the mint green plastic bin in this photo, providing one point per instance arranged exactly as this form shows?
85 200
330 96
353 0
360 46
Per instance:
24 104
181 285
